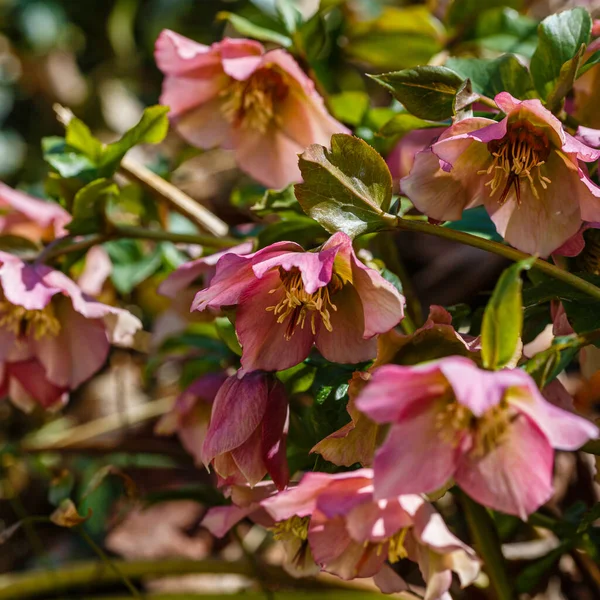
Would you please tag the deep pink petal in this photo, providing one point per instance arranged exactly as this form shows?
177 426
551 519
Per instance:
516 476
248 458
31 376
274 433
376 521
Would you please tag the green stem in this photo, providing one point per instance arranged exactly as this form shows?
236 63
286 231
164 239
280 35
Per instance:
395 223
487 545
138 233
38 583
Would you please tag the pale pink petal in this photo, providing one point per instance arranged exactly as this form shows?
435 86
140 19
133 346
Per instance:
97 270
541 225
516 476
574 146
220 519
383 306
24 285
564 429
176 54
376 521
204 125
414 457
77 352
263 341
238 409
389 582
589 136
402 157
589 198
393 390
342 496
345 343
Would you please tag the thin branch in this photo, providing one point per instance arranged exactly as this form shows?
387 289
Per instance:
397 223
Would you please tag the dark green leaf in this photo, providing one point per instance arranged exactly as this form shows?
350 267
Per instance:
275 201
20 246
399 125
347 188
566 78
295 228
503 318
89 205
560 38
461 12
490 77
476 221
61 487
533 574
592 61
427 92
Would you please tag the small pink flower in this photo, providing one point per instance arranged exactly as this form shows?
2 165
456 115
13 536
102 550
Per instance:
352 534
493 432
190 415
402 157
287 300
236 95
525 170
29 217
54 337
247 432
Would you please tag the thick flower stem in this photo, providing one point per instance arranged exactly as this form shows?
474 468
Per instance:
395 223
139 233
487 545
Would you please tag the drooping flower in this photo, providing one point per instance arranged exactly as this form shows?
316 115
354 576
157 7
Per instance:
247 431
190 415
30 217
525 170
53 336
493 432
235 95
352 534
287 300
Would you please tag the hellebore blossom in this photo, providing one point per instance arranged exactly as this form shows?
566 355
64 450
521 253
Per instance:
248 427
54 337
524 169
235 95
493 432
288 299
30 217
352 534
402 157
190 415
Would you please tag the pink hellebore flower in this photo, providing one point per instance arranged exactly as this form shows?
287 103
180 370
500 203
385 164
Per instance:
30 217
402 157
247 432
524 169
351 534
190 415
493 432
54 337
235 95
287 300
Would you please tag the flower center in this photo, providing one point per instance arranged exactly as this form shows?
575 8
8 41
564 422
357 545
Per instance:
252 104
298 304
452 421
294 527
396 549
23 322
517 156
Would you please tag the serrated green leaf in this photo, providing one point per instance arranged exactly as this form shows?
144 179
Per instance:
490 77
347 188
250 29
560 38
503 318
427 92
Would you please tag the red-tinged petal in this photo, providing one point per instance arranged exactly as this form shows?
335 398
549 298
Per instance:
516 476
345 343
274 433
394 389
264 345
414 458
77 352
341 496
238 410
32 379
539 225
382 304
249 458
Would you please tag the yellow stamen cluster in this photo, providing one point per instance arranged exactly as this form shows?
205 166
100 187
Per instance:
396 549
20 321
298 304
453 419
253 104
491 429
519 155
294 527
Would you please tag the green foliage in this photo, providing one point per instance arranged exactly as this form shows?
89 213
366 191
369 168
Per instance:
89 206
347 188
399 125
560 39
249 29
503 318
427 92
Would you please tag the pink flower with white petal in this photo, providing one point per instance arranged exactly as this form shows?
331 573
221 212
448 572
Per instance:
492 432
288 299
190 415
54 337
247 432
30 217
525 169
235 95
352 534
